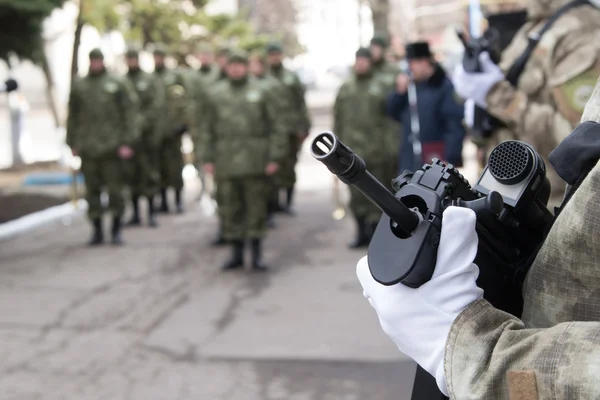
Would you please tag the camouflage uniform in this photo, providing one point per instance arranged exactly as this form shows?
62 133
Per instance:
102 118
387 72
361 122
241 135
554 351
171 159
144 174
556 83
298 119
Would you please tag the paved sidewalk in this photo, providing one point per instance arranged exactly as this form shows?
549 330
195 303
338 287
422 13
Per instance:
156 319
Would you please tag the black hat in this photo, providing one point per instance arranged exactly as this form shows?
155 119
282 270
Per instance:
96 54
380 39
238 56
274 47
418 50
132 52
363 52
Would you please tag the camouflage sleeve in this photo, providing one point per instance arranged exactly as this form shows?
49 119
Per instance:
72 138
196 113
130 107
490 355
159 108
278 138
301 103
208 138
574 69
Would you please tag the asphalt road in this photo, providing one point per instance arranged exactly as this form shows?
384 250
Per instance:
157 320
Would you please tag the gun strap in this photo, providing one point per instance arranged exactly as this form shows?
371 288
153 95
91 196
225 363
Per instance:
518 66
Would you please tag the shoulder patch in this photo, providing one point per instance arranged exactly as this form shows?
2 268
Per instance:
111 87
253 96
142 86
572 96
374 89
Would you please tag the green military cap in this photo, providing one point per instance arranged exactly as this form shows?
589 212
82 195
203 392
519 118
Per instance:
223 51
274 47
363 52
132 53
380 39
96 54
160 50
238 56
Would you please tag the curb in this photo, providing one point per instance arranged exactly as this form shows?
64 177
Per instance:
19 226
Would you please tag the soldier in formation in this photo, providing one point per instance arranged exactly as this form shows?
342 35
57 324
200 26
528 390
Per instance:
144 172
244 144
298 122
171 157
360 121
102 129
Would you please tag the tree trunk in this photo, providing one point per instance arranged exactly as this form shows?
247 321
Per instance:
380 9
77 41
50 89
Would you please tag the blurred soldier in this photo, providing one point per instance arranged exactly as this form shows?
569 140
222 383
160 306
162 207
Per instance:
208 69
171 158
360 121
557 80
244 143
258 68
145 174
299 120
438 112
101 129
387 72
222 61
381 66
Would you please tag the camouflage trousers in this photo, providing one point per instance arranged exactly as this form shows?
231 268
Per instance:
171 163
286 176
143 174
103 173
244 207
360 206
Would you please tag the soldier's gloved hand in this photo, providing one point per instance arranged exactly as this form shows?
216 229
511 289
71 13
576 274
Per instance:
476 85
419 320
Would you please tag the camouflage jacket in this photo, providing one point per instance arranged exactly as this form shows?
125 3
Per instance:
153 106
360 118
241 132
277 90
176 86
102 117
387 72
554 351
557 81
294 97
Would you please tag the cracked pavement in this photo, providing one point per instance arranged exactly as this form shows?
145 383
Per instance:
157 320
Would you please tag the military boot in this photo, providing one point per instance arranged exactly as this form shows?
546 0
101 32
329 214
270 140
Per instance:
362 236
151 218
116 231
97 235
288 202
178 201
257 262
164 204
271 215
135 218
237 256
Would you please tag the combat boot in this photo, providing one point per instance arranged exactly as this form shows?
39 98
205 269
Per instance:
178 201
151 218
271 216
362 237
116 231
135 218
288 203
257 262
97 235
237 256
164 204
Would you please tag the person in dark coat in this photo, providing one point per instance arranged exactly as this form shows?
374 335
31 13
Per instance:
440 113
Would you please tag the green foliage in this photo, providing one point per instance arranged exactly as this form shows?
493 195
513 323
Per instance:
21 22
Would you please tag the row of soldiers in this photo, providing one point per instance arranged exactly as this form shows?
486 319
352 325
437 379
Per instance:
247 130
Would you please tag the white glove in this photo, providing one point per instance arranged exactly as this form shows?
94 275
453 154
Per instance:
419 320
476 85
469 113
